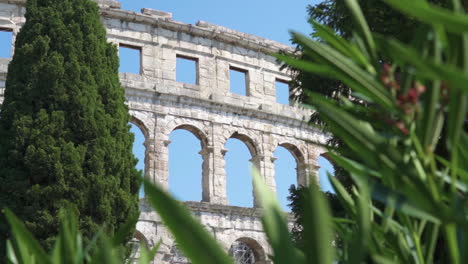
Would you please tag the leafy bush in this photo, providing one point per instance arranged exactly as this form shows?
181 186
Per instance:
64 134
415 109
69 246
407 151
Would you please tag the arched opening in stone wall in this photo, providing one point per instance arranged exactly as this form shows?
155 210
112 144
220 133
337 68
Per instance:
285 175
240 156
185 163
325 168
139 150
247 251
135 244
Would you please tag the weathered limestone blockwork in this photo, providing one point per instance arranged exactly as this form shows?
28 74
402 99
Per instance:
159 105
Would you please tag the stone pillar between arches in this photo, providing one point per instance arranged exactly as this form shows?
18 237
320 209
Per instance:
162 162
257 164
150 165
305 175
214 174
266 168
207 170
310 169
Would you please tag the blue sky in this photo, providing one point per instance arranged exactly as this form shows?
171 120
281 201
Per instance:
271 19
266 18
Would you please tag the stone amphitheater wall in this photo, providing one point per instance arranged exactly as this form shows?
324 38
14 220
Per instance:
159 105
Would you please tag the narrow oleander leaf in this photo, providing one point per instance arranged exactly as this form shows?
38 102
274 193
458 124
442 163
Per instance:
357 134
317 224
11 253
388 223
452 22
121 235
426 68
192 238
68 246
361 238
105 252
402 203
369 85
327 71
463 153
460 185
458 108
414 189
354 166
275 225
307 66
450 231
346 48
345 198
27 247
382 259
92 244
146 255
363 27
431 245
431 124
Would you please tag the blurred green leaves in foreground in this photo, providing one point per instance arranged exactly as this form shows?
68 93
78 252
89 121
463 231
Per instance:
404 130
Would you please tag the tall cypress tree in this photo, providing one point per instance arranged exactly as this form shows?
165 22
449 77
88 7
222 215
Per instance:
64 134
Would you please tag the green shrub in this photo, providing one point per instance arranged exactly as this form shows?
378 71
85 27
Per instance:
413 106
69 246
407 150
64 134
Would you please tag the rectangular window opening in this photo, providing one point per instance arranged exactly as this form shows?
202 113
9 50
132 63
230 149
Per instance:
238 81
186 69
282 91
130 59
6 41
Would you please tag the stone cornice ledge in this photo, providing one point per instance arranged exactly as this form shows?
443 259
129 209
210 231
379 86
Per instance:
205 207
219 209
15 2
202 29
276 116
101 3
111 9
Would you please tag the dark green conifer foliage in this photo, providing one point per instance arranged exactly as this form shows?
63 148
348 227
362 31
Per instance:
64 133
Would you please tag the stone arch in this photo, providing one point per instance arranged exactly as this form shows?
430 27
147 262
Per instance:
205 152
146 143
299 156
233 183
243 245
326 155
139 235
136 243
196 127
140 124
247 136
295 151
248 141
197 132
